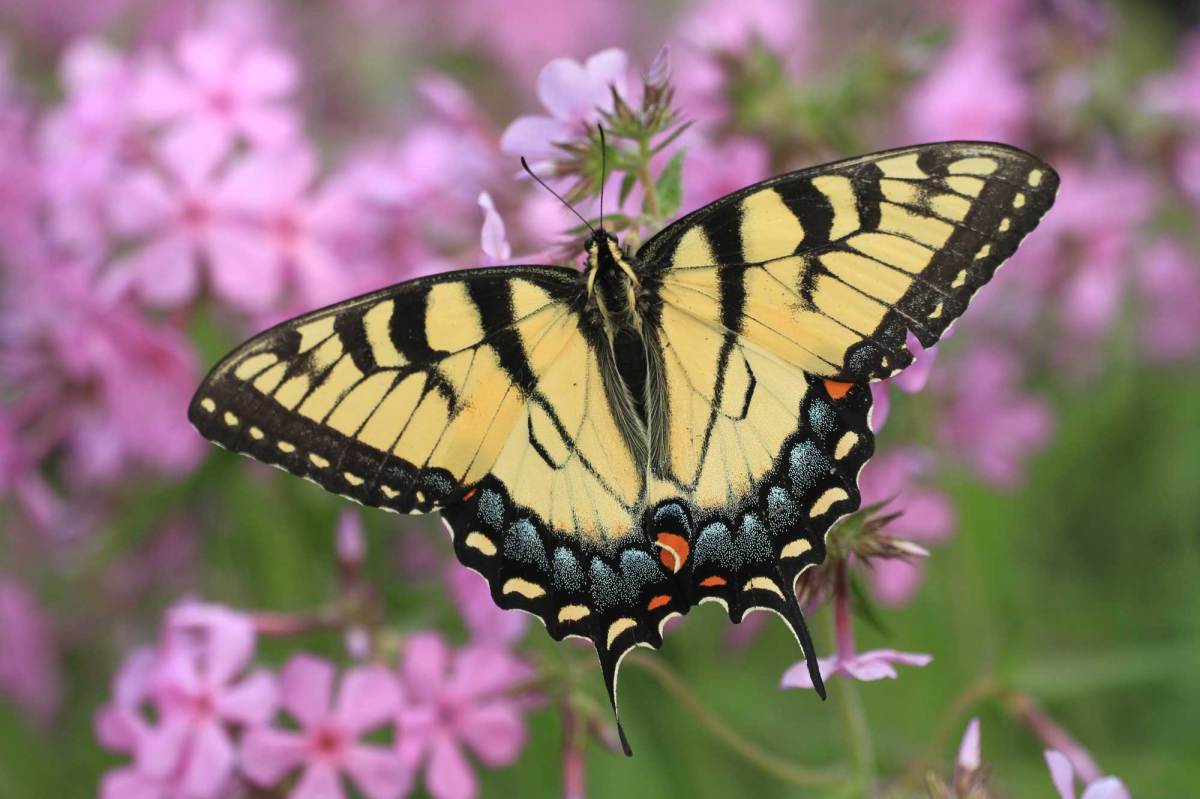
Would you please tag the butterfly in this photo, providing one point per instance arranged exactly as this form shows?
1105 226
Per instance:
612 446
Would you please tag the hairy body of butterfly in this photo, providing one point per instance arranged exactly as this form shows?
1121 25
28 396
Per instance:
612 447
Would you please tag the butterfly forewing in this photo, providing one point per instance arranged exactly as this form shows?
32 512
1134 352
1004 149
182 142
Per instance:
829 267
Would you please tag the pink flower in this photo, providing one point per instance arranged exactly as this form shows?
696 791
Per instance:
454 700
713 170
493 239
97 380
926 517
218 87
574 94
1062 773
199 694
327 744
288 227
1169 279
785 27
990 421
945 105
28 661
183 218
865 666
486 622
1178 92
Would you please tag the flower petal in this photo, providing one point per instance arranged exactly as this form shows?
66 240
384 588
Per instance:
486 669
266 72
162 749
207 55
534 137
252 701
449 776
563 88
425 662
164 271
268 755
1106 788
129 783
307 687
969 756
244 269
320 781
1061 773
797 675
228 637
377 772
495 732
368 698
210 761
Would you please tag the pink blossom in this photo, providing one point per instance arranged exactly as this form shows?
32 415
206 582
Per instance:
350 540
199 693
1169 279
1062 773
574 94
875 664
562 29
785 27
990 421
327 744
713 170
493 237
926 517
97 380
970 757
945 104
217 87
182 218
457 699
29 672
1178 92
486 622
287 227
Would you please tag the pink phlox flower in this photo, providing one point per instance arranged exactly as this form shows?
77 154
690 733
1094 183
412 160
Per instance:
1062 773
493 239
945 104
562 29
327 744
1178 92
457 699
915 375
485 620
990 420
114 381
216 87
29 673
1169 280
287 223
200 694
875 664
183 215
881 405
785 27
926 517
574 94
84 142
713 170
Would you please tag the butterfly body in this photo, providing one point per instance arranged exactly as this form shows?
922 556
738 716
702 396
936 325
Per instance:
681 425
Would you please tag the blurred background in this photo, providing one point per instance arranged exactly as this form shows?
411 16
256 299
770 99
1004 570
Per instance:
176 175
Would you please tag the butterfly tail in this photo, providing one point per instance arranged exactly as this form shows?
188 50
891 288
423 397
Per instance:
610 664
795 620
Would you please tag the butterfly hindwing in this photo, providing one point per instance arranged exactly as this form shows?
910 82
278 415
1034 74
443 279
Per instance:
830 267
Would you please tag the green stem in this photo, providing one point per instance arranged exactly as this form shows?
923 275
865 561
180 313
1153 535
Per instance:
846 695
768 762
652 206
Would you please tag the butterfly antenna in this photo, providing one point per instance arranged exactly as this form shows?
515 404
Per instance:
603 171
542 183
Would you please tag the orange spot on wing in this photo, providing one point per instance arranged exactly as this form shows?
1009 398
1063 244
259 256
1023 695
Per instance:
674 552
467 496
837 390
658 601
713 582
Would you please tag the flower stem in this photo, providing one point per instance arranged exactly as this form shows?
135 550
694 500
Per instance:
768 762
648 187
846 695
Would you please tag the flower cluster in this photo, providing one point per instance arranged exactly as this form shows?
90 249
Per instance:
200 719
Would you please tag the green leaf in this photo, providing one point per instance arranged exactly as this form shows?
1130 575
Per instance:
669 186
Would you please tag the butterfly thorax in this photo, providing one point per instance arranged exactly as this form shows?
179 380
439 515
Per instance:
613 282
